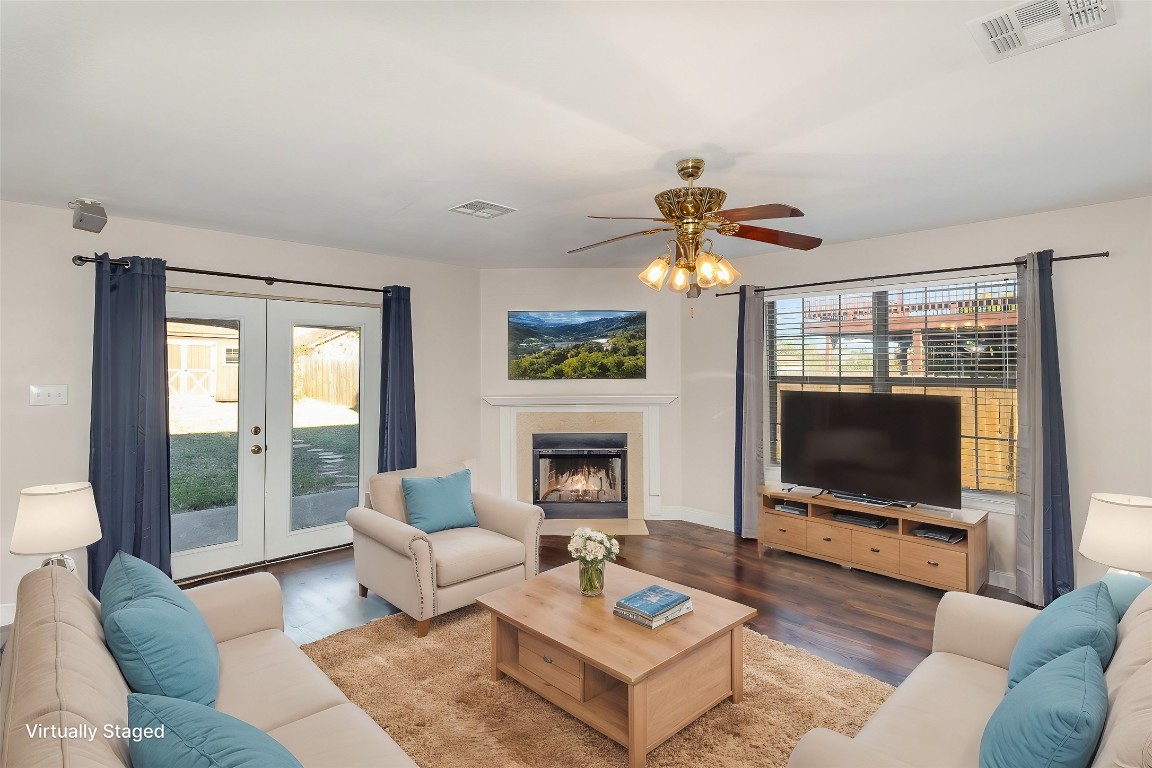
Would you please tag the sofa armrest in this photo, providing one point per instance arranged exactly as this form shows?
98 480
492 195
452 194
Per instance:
979 628
822 748
240 606
514 519
389 531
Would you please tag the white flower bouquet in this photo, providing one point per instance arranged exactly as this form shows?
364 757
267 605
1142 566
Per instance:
592 548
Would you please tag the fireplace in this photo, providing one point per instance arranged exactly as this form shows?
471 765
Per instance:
580 474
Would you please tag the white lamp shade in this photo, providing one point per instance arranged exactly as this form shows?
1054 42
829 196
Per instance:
1118 531
55 518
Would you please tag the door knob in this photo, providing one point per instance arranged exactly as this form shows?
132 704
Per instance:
257 449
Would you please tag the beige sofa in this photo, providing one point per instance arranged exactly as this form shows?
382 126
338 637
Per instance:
429 574
937 715
57 671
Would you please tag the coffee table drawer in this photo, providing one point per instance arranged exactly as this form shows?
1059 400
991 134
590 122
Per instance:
553 665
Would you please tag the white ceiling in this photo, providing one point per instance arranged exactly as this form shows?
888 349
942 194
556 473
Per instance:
360 124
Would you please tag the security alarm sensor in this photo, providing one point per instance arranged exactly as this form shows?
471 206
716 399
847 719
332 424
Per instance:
88 215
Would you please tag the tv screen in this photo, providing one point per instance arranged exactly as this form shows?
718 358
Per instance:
883 446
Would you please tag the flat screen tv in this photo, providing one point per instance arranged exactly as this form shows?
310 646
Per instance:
879 446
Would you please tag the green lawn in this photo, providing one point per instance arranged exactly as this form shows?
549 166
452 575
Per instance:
203 471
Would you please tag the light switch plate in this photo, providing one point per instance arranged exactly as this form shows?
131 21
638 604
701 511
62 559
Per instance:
48 394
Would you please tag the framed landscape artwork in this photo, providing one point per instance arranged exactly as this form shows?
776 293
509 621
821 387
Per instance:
578 344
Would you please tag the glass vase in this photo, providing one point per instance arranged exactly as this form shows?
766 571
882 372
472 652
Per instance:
592 579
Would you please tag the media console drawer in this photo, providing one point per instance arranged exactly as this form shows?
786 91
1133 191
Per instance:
881 552
935 564
785 531
824 539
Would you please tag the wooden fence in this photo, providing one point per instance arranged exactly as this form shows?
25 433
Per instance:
329 381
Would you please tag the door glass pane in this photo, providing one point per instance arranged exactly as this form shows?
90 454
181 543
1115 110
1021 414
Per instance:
325 424
203 390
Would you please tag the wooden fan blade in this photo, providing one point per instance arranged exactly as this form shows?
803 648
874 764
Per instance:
766 211
630 218
776 237
622 237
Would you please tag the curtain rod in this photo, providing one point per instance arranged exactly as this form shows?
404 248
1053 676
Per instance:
82 260
1102 254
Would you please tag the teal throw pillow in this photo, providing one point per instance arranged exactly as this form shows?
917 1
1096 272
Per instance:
1054 718
1124 588
156 634
165 650
1082 617
439 503
188 735
129 578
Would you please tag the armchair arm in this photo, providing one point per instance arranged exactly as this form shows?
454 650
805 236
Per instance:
388 531
240 606
822 748
979 628
514 519
394 560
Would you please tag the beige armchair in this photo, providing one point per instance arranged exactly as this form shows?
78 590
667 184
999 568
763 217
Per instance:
429 574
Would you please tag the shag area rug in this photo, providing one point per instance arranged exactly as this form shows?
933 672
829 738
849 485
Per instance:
433 695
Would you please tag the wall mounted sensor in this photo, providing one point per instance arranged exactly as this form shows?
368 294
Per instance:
88 215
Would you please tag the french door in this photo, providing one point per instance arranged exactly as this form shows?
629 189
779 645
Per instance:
273 407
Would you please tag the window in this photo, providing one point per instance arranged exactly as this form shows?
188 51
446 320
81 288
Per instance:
231 355
957 340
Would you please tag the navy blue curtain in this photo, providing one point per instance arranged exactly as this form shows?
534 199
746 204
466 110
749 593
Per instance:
128 454
397 382
1059 563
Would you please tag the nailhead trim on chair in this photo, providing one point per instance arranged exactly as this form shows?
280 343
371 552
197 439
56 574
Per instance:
539 523
416 566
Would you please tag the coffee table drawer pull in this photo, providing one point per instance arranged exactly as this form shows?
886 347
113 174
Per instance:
933 563
827 538
547 659
782 530
874 549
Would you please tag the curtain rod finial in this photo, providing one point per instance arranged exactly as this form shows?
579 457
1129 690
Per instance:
78 260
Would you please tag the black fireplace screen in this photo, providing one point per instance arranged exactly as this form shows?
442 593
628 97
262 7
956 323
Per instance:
579 467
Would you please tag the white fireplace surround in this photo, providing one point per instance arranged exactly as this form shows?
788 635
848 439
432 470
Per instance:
512 406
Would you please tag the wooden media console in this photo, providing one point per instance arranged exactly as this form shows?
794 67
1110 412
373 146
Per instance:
891 551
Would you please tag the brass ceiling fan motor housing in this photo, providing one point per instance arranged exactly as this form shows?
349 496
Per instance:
688 206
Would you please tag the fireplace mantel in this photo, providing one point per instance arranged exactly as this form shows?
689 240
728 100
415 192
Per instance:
522 401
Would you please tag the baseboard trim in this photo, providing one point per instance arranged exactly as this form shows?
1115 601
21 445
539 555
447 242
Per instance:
1003 580
693 515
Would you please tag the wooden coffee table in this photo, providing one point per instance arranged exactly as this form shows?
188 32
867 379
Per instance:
637 686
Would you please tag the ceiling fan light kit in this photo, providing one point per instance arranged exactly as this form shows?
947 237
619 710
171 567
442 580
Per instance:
693 212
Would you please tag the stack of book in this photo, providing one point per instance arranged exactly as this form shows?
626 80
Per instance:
653 606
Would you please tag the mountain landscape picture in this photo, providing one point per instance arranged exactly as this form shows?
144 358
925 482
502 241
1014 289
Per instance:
579 344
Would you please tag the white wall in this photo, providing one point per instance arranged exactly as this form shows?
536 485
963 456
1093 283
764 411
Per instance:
504 290
46 335
1104 322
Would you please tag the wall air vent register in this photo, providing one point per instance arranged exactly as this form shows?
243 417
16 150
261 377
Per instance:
1027 26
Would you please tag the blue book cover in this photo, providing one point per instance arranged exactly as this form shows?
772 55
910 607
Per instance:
652 601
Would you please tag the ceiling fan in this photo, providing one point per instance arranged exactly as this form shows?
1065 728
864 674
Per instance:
694 211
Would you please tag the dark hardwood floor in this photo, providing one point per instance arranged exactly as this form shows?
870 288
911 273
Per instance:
875 625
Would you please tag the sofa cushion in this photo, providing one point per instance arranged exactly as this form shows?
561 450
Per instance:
439 503
1052 718
341 736
1133 651
266 680
163 649
387 493
1124 588
194 736
944 688
1127 739
1082 617
461 554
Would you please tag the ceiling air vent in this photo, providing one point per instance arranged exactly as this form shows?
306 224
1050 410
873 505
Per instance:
1026 26
482 209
